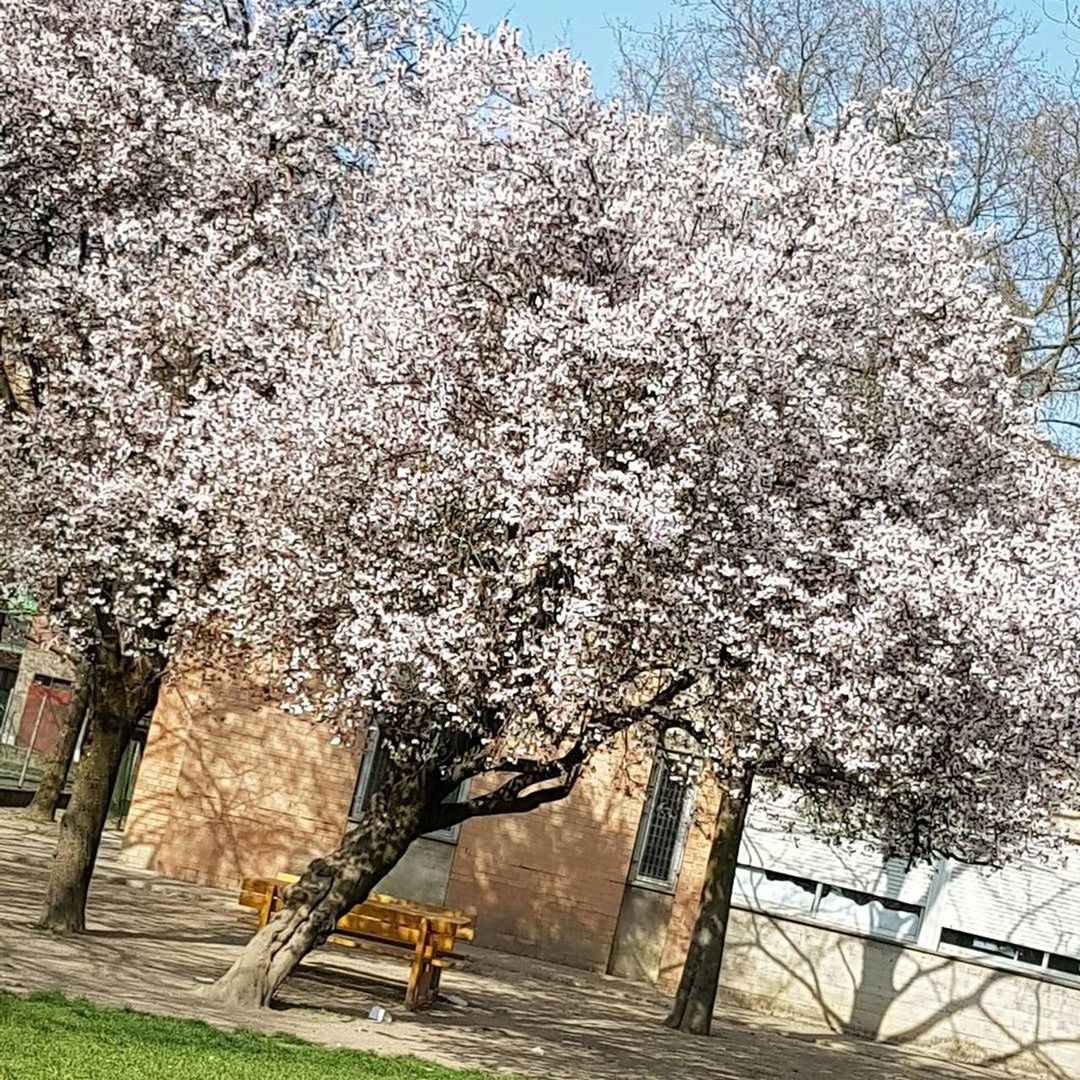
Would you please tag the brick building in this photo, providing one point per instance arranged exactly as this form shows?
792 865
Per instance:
35 693
986 965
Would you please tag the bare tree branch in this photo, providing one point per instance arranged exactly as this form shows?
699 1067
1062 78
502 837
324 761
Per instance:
970 78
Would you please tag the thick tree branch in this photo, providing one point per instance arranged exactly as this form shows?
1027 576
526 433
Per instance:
516 796
522 792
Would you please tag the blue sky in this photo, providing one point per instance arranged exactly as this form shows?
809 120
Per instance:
584 26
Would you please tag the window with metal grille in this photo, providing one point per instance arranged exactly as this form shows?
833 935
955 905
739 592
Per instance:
665 822
848 909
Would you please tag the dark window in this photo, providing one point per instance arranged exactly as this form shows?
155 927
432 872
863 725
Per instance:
1068 965
1004 949
51 683
805 884
8 677
864 899
372 770
372 773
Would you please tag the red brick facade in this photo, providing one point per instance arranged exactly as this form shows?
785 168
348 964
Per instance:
550 883
228 789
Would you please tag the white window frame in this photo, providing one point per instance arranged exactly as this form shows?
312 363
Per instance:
648 812
747 897
984 958
814 915
879 932
945 913
368 758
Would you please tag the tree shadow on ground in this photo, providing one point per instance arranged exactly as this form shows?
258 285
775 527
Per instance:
523 1015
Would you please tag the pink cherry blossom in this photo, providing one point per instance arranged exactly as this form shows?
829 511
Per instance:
496 422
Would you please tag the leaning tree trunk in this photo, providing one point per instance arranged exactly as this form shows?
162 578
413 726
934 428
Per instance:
124 689
329 887
696 997
47 797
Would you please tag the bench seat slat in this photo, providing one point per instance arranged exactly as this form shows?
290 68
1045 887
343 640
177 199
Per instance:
372 924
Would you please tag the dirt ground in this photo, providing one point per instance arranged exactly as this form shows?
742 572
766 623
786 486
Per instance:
150 940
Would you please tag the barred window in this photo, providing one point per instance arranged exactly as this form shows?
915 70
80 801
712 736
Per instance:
665 822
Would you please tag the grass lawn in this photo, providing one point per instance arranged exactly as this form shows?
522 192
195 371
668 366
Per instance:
48 1037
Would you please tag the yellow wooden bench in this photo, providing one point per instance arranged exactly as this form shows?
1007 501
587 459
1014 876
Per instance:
382 924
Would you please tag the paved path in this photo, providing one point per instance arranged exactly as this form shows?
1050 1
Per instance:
150 939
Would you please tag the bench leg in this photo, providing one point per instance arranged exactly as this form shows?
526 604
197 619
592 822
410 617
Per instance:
267 906
427 983
419 971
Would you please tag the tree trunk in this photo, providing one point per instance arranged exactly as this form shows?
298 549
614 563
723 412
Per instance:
124 689
47 797
329 887
696 997
82 825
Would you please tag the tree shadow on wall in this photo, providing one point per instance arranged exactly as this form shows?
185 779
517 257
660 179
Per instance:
865 988
978 1003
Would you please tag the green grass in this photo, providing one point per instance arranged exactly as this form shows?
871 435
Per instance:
49 1037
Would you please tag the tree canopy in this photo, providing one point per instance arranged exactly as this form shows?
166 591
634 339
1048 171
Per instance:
495 421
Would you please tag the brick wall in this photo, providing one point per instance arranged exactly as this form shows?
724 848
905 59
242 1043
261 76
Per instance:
230 786
550 883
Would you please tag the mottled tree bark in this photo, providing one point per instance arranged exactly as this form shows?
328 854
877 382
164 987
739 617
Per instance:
695 998
53 776
124 689
402 809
